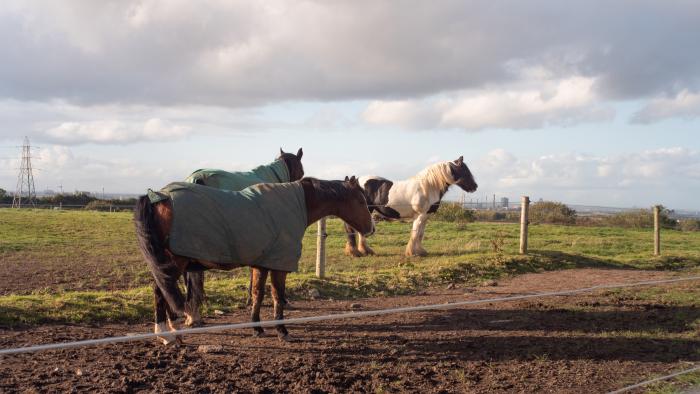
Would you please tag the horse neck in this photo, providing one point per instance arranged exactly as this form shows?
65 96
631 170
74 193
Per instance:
289 165
317 208
442 184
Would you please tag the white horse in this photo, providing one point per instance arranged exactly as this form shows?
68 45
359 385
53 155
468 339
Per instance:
413 198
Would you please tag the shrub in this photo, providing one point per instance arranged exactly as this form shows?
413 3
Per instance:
641 218
454 212
689 225
99 205
497 216
551 212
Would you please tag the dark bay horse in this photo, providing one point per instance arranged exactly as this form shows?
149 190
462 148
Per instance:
161 238
287 167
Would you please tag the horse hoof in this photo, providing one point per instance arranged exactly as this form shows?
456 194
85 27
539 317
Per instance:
285 338
352 252
170 340
367 252
194 323
420 253
258 334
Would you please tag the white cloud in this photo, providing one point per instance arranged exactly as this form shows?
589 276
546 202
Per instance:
405 113
522 105
64 123
655 175
59 165
233 53
685 105
115 132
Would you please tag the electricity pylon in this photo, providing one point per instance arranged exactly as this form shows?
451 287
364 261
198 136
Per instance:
25 179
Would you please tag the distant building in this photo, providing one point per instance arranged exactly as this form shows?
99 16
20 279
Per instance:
504 202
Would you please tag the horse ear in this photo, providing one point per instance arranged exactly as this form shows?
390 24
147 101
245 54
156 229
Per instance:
346 179
281 151
460 160
300 153
353 180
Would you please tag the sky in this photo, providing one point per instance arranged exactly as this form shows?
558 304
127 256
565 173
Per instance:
584 102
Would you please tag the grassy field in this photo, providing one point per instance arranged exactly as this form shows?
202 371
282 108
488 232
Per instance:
683 324
79 266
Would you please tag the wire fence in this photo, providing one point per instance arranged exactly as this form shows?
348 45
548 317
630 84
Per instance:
338 316
655 380
108 208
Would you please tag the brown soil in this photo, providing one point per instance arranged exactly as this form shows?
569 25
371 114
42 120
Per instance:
24 273
555 344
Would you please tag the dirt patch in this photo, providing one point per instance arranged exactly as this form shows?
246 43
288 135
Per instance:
556 344
25 274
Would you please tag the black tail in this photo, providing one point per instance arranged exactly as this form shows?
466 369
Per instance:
164 271
195 289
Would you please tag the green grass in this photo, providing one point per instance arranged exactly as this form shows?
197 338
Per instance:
676 385
65 242
684 300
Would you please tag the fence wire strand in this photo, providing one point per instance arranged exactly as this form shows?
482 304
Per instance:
337 316
655 380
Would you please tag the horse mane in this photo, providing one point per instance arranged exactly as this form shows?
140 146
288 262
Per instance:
328 190
435 177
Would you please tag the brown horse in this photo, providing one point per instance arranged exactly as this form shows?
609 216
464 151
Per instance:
236 181
154 222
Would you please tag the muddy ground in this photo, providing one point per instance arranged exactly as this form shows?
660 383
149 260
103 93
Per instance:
555 344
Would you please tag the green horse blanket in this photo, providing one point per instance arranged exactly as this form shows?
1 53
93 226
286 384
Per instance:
261 226
275 172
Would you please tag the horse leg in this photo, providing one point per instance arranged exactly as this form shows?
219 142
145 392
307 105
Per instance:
195 297
414 247
362 245
259 276
278 279
249 301
351 244
166 319
421 234
160 307
177 315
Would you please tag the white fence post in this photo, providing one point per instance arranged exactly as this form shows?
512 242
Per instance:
321 249
524 207
657 231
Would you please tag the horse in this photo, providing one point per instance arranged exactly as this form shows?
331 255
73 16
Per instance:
413 198
287 167
188 227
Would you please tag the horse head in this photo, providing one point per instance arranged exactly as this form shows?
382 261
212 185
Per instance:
462 176
293 162
339 198
355 212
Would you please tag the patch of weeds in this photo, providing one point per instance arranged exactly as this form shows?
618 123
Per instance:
542 358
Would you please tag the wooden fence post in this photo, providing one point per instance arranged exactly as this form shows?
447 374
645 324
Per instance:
525 204
321 249
657 231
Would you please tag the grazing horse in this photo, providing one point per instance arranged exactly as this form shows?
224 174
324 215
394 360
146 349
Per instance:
188 227
286 168
413 198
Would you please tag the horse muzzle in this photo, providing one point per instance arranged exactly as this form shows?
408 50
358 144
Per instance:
469 188
371 231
